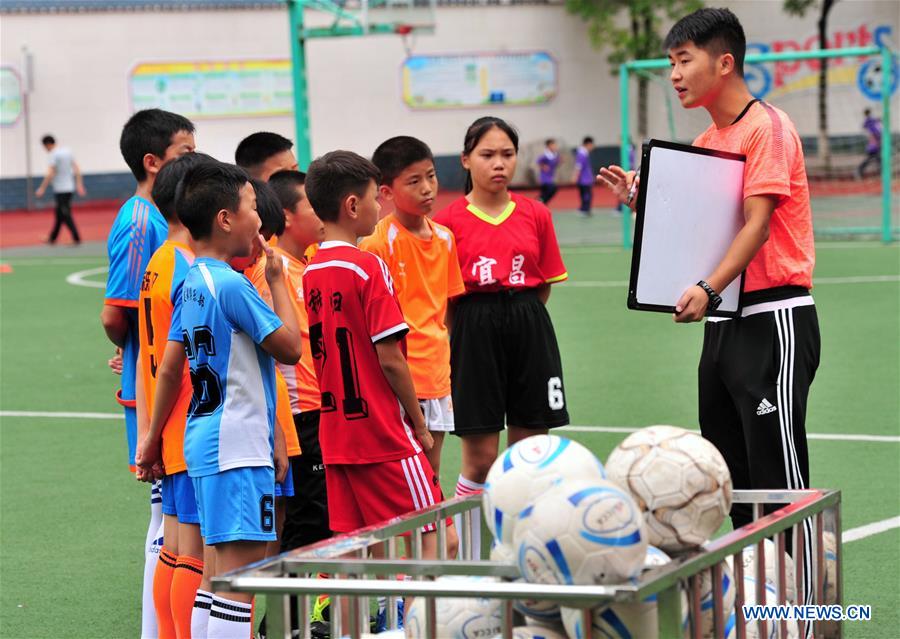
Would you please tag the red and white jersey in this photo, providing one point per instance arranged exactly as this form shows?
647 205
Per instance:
516 249
350 298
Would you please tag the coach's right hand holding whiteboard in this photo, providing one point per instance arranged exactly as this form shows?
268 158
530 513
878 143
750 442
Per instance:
695 232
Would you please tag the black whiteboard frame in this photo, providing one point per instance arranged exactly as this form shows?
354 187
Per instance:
647 150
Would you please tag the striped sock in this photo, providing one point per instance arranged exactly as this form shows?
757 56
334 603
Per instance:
468 487
229 619
185 581
200 615
162 587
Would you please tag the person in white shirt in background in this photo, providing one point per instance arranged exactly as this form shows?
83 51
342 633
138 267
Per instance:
65 177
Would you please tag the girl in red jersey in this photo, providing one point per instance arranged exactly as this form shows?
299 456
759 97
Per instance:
504 358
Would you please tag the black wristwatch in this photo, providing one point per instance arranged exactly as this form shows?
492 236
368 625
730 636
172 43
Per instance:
714 298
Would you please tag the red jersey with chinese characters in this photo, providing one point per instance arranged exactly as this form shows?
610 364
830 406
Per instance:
350 299
516 249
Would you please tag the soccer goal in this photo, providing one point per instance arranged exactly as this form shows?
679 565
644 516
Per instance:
854 185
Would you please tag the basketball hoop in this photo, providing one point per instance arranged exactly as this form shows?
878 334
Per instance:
405 31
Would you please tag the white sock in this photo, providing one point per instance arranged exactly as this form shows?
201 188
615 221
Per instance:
200 614
152 544
468 487
229 619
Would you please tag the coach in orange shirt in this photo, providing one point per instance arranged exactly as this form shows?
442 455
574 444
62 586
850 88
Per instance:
421 256
755 371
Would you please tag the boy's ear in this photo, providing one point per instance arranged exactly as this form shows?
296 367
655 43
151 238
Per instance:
726 64
288 215
152 164
350 203
386 192
223 220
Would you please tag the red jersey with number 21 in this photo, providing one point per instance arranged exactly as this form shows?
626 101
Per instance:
350 298
516 249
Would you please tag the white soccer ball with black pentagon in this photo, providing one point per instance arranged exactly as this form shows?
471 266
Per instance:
527 469
680 482
457 618
582 533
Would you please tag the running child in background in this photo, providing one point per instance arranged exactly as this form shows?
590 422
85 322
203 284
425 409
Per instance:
149 140
167 387
230 336
584 175
504 359
421 256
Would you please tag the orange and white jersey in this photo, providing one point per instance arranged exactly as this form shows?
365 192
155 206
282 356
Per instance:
426 275
160 288
283 415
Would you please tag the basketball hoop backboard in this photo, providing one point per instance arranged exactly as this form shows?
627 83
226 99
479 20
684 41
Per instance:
370 17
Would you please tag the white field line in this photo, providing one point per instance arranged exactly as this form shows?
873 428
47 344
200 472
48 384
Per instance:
861 532
78 278
839 437
885 439
820 281
52 261
854 534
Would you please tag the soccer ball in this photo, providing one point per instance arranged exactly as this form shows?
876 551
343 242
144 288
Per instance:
539 610
707 610
678 479
751 628
534 632
502 553
748 556
527 469
457 618
623 620
829 543
582 533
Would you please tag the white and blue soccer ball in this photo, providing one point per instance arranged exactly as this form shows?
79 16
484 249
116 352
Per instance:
751 628
748 556
623 620
680 481
457 618
534 632
707 606
582 533
527 469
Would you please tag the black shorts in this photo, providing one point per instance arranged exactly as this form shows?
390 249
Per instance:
504 364
306 513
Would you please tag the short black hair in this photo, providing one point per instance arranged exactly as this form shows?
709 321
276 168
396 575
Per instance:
549 141
333 177
205 190
256 148
149 131
166 183
271 215
587 140
715 30
394 155
286 183
48 139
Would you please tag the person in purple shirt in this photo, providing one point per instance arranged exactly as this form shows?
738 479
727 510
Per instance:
547 163
584 174
872 127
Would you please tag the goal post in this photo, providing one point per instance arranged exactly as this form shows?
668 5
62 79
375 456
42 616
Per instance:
886 228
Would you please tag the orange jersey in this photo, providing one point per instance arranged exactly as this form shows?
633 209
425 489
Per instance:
160 287
774 167
301 377
426 275
283 415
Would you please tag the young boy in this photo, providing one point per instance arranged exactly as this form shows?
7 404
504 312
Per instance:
421 256
262 154
230 336
150 139
307 512
373 433
547 163
584 175
755 371
180 567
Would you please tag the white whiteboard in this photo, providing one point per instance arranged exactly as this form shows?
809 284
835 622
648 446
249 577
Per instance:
689 211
